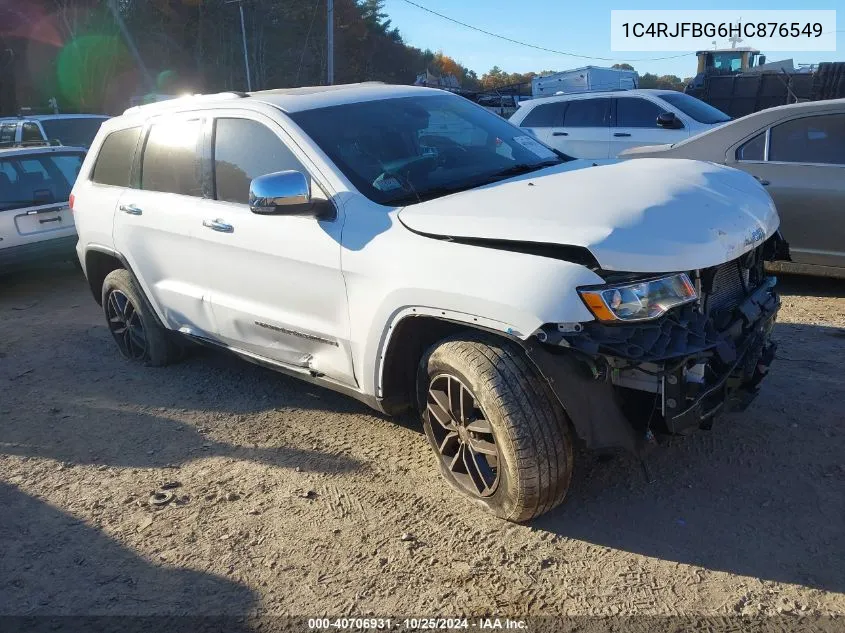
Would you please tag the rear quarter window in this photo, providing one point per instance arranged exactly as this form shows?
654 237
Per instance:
7 133
114 162
753 149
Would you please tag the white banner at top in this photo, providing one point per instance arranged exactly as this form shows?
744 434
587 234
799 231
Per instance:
683 30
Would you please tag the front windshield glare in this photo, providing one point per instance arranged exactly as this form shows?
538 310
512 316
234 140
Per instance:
695 108
406 150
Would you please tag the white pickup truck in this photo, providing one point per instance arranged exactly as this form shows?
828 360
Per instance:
407 247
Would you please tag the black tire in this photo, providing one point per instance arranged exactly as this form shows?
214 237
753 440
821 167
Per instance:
133 325
511 404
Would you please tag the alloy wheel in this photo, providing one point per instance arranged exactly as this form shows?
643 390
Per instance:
126 326
463 436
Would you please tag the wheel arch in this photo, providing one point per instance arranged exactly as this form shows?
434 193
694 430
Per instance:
99 262
410 334
590 405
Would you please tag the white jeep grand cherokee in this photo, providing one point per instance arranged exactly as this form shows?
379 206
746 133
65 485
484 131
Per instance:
407 247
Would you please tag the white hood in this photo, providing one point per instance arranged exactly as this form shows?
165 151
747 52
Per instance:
648 215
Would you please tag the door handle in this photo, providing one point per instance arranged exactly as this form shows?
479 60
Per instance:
560 133
131 209
762 181
621 134
218 225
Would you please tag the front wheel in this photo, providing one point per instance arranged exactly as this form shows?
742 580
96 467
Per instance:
501 437
132 324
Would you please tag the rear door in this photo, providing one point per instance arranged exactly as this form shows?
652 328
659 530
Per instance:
803 167
156 224
636 125
276 284
586 127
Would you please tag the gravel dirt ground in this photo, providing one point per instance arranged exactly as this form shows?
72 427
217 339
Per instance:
288 499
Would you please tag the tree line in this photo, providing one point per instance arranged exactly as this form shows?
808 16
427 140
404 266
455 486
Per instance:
94 55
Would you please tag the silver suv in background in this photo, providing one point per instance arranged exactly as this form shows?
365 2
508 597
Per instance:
77 130
36 223
797 152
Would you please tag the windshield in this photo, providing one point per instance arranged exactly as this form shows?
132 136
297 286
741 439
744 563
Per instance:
727 61
409 149
79 132
29 180
695 108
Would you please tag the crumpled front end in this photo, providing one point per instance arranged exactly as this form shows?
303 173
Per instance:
623 382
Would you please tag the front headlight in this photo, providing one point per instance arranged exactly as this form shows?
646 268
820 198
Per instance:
639 301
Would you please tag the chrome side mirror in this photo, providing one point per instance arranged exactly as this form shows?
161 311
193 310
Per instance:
281 193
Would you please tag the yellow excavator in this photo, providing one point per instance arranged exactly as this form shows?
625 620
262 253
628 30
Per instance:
739 80
729 59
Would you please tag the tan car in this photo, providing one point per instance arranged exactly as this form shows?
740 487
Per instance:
798 152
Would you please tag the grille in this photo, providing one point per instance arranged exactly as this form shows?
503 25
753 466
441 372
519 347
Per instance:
728 286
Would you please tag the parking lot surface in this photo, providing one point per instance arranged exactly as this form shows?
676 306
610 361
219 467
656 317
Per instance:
275 496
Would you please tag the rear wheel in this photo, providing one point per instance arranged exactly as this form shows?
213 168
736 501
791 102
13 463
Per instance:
132 324
501 437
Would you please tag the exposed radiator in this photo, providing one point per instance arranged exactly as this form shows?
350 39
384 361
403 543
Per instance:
728 286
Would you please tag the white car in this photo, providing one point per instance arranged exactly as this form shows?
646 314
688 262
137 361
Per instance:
598 125
36 224
407 247
77 130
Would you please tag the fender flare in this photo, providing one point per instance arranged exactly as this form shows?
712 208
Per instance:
591 405
105 250
451 316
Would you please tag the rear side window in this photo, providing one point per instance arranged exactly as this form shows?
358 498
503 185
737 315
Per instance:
114 162
753 149
812 139
31 133
636 112
171 162
244 150
587 113
545 115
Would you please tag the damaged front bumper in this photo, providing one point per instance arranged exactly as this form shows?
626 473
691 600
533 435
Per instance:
621 383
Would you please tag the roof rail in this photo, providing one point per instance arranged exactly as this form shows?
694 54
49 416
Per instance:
178 101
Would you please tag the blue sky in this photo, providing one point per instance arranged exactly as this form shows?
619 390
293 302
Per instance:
578 26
